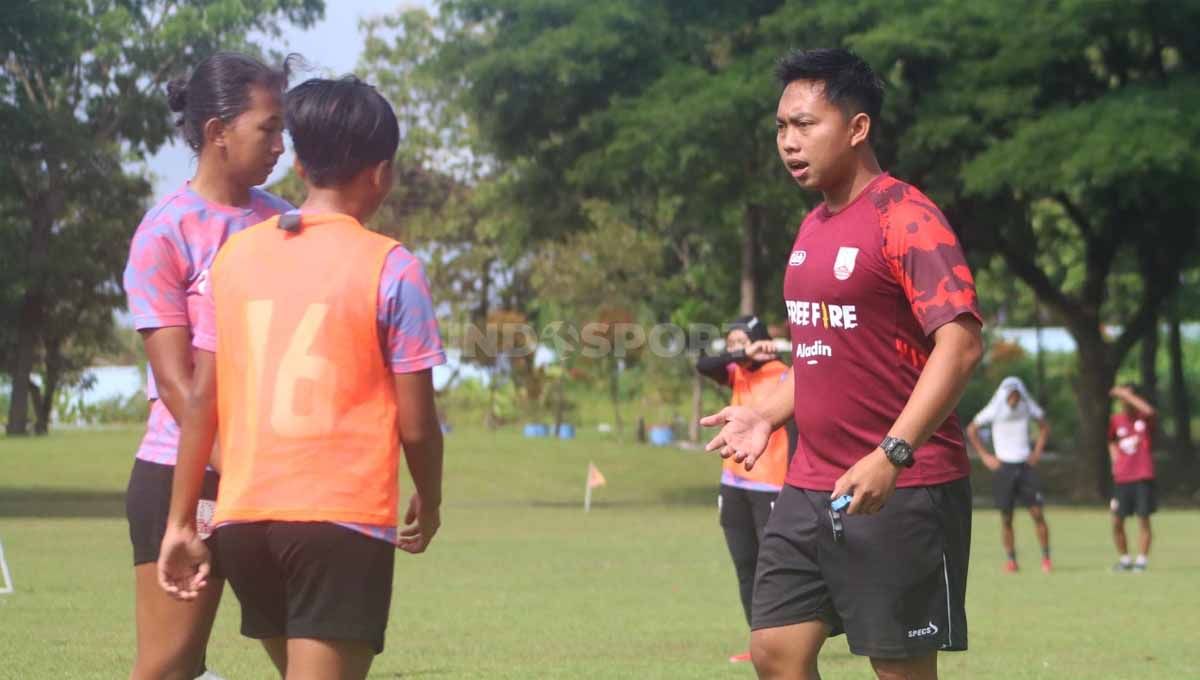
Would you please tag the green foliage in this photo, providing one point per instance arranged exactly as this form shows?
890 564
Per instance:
81 94
1059 139
131 410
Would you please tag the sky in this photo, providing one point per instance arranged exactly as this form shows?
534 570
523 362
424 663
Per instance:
332 45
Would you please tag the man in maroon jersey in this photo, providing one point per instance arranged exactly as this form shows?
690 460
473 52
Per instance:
1130 433
886 333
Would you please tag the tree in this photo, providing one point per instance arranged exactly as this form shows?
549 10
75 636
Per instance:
1073 134
81 85
599 300
1058 138
1185 298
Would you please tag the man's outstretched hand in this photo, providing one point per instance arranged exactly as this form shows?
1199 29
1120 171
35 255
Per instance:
743 436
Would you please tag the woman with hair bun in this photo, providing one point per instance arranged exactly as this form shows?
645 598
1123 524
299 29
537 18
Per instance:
230 112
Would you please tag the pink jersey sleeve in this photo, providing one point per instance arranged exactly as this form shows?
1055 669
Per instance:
408 327
204 319
155 277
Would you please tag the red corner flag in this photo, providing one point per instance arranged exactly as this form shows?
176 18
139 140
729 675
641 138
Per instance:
594 479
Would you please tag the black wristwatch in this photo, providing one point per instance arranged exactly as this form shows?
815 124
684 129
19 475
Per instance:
898 452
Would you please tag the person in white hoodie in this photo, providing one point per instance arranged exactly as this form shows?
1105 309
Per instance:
1013 460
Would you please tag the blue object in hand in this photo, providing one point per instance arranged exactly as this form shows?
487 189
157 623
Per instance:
841 502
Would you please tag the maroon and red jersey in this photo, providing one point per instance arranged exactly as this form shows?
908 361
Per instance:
865 290
1132 435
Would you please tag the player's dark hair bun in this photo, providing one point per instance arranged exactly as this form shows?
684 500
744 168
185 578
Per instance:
219 87
177 95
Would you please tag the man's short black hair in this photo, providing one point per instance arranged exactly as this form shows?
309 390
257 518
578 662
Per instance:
340 127
849 82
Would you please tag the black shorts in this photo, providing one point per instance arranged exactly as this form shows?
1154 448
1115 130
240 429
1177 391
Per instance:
1016 483
744 510
308 580
895 583
1135 498
148 502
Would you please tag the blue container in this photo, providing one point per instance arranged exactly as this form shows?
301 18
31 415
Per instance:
536 430
661 435
566 431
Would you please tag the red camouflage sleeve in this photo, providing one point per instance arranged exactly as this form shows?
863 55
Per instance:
926 259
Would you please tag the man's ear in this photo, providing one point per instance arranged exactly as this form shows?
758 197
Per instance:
214 132
381 176
298 167
860 129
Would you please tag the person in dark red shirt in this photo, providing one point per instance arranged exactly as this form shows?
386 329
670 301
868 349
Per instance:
885 334
1130 439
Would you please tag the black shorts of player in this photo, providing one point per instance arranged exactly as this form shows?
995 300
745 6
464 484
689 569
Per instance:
308 580
1135 498
1016 483
743 516
148 502
894 582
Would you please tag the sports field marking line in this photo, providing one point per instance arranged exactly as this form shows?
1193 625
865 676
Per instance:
8 583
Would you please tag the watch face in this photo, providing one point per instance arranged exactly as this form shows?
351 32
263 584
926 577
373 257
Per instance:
898 451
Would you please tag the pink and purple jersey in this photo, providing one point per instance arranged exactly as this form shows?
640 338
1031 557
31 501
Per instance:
406 323
167 272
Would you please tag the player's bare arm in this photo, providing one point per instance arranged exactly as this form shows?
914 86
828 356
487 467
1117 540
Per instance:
184 560
1130 397
1040 445
421 437
169 351
745 430
990 461
958 347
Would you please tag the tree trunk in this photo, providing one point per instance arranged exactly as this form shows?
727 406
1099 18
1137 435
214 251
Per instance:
1149 364
489 421
559 405
1041 361
50 381
35 397
697 407
614 393
1095 380
42 208
1181 406
748 301
485 293
45 409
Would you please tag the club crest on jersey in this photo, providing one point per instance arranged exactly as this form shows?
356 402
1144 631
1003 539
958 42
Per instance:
798 257
843 266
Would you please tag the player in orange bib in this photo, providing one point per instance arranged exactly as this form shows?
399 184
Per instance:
750 367
324 339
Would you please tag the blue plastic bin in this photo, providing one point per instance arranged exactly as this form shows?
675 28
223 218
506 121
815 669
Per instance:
536 430
661 435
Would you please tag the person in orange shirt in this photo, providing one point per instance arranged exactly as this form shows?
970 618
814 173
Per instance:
750 367
324 339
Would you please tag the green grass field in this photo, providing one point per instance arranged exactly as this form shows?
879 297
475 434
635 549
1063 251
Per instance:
520 583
